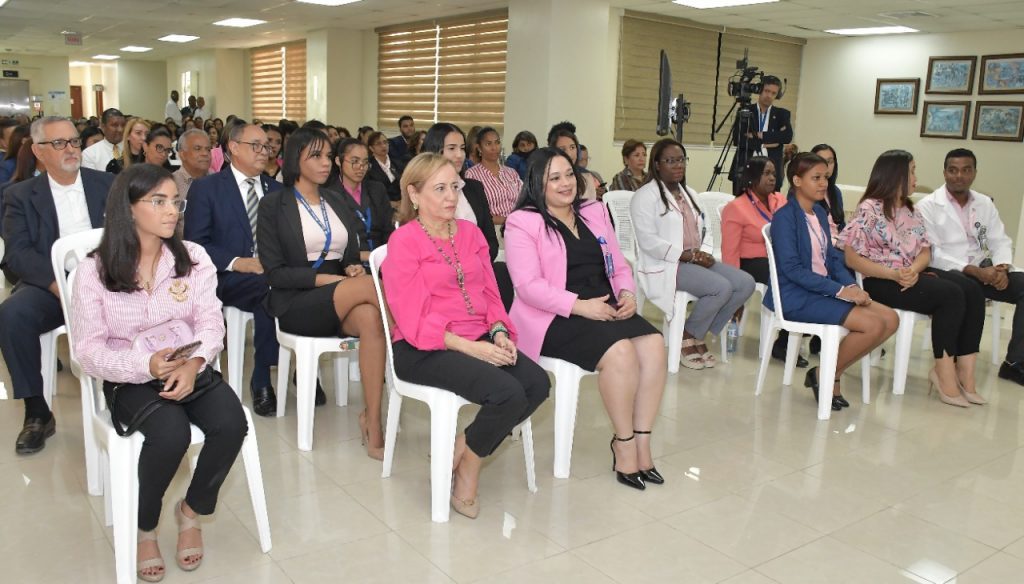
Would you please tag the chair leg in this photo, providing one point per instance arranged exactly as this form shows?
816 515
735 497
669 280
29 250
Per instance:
284 369
526 430
443 417
341 380
391 431
997 325
792 352
254 476
826 372
305 393
48 345
904 342
767 337
236 351
567 393
94 478
723 338
865 380
125 518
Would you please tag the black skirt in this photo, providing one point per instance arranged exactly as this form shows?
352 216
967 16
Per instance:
311 313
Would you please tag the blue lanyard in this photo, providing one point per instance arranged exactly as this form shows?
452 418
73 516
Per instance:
767 218
762 120
609 264
822 239
326 226
367 221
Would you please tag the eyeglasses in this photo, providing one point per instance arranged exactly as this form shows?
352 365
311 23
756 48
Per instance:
258 147
61 143
359 163
161 149
675 161
163 204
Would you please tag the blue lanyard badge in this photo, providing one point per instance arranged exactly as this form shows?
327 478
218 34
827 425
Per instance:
367 220
609 264
753 203
326 226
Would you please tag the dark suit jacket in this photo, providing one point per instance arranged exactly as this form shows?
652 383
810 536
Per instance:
31 226
780 131
216 217
375 207
376 173
283 248
474 193
398 150
792 244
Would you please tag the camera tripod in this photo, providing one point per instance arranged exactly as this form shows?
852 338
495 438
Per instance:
741 126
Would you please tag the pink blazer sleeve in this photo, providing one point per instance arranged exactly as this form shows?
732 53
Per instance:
528 247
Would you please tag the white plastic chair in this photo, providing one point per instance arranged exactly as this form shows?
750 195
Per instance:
710 204
618 208
235 321
774 320
307 365
567 393
997 324
112 461
444 416
904 344
672 330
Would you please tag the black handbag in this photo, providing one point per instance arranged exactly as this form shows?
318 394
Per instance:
205 380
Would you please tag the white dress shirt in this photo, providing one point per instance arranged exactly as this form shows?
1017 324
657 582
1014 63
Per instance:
171 111
72 210
952 247
201 112
98 156
243 188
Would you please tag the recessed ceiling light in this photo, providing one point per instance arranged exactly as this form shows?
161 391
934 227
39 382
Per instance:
134 49
79 64
177 38
702 4
239 22
106 57
328 2
872 30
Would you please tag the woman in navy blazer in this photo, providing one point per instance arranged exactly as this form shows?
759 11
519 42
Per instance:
814 283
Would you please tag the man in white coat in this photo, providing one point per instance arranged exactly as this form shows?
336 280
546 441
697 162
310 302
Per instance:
967 235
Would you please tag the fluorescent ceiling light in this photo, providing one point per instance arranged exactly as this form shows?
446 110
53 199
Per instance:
79 64
872 30
702 4
328 2
177 38
135 49
106 57
239 22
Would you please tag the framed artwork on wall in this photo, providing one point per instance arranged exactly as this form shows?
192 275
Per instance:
1001 74
951 75
896 96
999 120
945 119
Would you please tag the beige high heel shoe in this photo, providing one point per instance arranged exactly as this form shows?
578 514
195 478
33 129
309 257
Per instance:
972 396
364 433
156 563
194 553
957 401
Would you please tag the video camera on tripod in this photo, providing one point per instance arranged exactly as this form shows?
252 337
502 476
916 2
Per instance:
746 82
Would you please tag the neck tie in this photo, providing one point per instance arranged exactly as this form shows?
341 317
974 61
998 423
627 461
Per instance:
251 206
117 152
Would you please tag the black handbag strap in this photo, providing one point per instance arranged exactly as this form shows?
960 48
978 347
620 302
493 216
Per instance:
204 381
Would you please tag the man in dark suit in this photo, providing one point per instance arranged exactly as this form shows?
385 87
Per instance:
767 133
64 200
222 218
398 147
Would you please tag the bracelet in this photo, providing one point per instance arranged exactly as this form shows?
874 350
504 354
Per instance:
626 294
498 327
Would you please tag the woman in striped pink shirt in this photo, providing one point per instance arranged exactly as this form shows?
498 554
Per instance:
501 183
143 276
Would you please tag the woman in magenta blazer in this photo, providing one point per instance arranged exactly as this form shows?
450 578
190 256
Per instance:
576 301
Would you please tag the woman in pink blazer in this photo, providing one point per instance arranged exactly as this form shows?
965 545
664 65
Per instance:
576 301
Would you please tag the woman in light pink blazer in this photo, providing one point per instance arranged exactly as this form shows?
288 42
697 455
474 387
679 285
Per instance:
576 301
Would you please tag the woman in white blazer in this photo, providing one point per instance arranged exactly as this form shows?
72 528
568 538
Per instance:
675 254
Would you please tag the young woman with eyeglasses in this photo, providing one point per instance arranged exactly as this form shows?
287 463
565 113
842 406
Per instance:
369 198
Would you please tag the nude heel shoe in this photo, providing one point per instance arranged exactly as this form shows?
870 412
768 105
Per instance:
157 562
364 433
957 401
184 524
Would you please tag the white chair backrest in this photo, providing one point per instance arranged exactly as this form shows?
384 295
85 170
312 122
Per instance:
709 203
618 207
776 297
377 258
67 252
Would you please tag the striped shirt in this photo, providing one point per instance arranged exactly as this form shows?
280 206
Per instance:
502 191
105 323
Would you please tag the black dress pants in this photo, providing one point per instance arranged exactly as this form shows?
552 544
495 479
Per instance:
1013 294
27 313
508 395
217 412
246 292
954 301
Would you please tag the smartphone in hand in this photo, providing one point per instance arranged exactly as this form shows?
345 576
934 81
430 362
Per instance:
184 351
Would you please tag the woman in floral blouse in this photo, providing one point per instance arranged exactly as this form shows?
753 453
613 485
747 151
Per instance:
887 243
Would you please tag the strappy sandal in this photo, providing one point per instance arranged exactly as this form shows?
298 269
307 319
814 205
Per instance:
691 360
152 563
709 359
184 524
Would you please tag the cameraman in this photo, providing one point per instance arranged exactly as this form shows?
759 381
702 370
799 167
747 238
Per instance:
766 134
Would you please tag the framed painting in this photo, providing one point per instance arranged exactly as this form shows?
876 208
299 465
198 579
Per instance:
945 119
999 120
951 75
1001 74
896 96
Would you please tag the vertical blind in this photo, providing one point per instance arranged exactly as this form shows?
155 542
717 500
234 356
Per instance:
279 81
693 52
450 70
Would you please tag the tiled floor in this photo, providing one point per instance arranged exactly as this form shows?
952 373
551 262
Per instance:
905 489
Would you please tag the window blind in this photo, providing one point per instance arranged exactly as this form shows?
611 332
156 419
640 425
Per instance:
278 86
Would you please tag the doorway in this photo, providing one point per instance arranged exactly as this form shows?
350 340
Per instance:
76 102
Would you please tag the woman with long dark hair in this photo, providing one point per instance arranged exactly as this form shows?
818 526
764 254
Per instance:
576 301
143 285
833 202
523 144
565 140
308 238
276 141
887 242
675 254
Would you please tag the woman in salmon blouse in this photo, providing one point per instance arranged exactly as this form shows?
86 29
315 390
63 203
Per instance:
451 329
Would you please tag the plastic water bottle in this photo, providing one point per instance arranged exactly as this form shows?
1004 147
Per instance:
732 336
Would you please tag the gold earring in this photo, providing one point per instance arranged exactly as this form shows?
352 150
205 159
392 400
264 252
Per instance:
415 207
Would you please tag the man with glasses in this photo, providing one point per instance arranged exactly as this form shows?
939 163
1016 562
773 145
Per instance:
64 200
222 218
99 155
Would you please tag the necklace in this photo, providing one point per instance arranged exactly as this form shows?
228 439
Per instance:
456 264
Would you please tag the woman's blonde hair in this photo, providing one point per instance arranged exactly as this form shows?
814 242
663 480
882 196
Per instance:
416 173
126 151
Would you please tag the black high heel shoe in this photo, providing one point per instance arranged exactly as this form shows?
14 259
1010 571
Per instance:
811 381
650 475
839 399
632 479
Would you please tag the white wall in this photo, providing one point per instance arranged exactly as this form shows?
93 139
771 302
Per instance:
837 107
335 69
87 76
219 75
142 89
44 74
